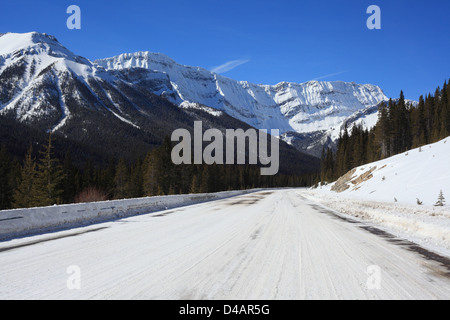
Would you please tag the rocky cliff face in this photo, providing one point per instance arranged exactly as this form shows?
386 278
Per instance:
307 114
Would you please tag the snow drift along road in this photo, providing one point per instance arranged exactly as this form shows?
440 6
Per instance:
387 192
22 222
266 245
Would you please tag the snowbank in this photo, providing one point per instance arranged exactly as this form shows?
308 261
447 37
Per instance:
409 178
22 222
426 225
398 194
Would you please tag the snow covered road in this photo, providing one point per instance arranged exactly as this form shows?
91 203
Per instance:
266 245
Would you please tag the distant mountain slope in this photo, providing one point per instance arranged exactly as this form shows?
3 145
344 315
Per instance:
312 109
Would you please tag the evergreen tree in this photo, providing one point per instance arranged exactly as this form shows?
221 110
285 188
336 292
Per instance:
204 185
24 194
5 179
441 200
194 185
357 144
106 181
150 186
323 165
347 161
418 124
447 109
445 117
49 178
429 115
88 175
373 151
383 132
330 173
70 181
121 180
185 178
166 170
339 156
135 187
437 125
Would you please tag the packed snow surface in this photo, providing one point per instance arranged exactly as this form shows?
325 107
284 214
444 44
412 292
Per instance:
22 222
266 245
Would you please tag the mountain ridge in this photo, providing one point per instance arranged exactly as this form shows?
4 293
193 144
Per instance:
121 113
252 103
299 110
42 81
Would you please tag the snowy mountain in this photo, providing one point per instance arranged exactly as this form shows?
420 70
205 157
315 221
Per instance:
46 86
42 82
311 112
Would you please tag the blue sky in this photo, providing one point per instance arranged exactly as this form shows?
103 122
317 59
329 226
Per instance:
261 41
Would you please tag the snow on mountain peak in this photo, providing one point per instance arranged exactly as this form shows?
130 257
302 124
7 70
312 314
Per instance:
36 44
35 67
300 107
12 42
141 59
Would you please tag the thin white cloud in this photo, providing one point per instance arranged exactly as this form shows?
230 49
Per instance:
330 75
228 66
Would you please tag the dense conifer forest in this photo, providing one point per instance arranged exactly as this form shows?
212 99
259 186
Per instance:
47 177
